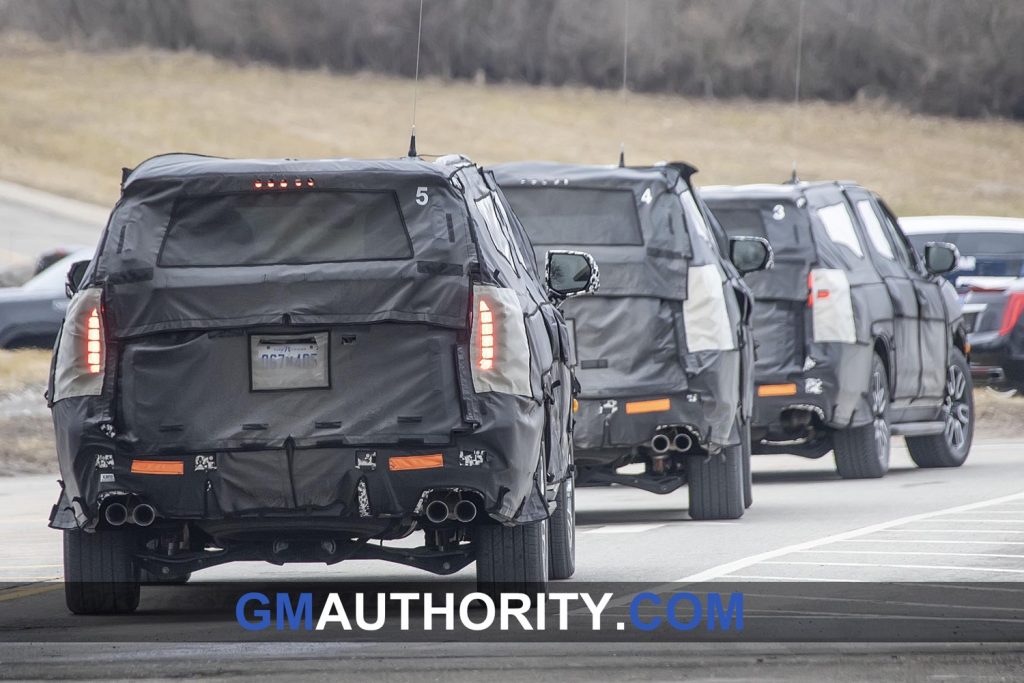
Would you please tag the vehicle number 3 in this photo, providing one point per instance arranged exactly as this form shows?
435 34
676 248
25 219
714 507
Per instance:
421 196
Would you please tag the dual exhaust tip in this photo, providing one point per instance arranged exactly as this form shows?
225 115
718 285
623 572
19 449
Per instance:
118 514
662 442
439 511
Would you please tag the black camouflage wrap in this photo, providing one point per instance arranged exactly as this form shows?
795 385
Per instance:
911 320
630 337
176 384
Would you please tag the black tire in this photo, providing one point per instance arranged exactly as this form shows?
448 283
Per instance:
562 528
950 448
512 558
717 484
100 576
748 471
863 452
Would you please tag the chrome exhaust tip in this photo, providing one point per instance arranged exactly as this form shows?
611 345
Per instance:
116 514
682 442
660 443
465 511
143 514
437 511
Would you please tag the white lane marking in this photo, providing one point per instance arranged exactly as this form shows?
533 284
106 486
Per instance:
874 603
743 563
992 570
15 567
755 577
957 541
996 512
623 529
909 552
972 521
958 531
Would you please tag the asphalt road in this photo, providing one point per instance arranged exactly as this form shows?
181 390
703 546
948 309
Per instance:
807 525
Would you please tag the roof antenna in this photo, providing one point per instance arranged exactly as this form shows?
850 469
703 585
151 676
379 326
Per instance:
416 85
796 84
625 71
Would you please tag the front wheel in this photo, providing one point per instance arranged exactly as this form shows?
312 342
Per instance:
950 448
562 526
863 452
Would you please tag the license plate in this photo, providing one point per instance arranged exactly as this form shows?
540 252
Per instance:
289 361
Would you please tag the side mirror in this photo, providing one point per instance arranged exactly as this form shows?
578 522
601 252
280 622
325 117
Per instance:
750 254
940 257
75 274
570 273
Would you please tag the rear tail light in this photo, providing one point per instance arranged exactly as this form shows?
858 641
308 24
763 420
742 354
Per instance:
94 342
811 293
486 335
1011 313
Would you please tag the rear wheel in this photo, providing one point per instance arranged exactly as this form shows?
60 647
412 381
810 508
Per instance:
717 484
512 558
562 526
100 576
863 452
950 448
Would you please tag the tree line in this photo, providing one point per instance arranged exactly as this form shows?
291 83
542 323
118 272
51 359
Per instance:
950 57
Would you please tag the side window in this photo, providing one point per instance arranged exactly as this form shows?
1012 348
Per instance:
514 237
874 229
840 229
497 233
695 218
898 240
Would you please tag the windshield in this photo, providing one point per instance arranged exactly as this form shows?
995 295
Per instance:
263 228
52 279
577 216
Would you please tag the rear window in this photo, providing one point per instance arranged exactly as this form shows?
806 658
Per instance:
578 216
269 228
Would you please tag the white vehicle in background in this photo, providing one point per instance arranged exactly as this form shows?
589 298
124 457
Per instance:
990 281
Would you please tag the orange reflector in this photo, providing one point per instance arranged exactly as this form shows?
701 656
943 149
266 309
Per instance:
967 347
658 405
416 462
575 406
776 390
175 467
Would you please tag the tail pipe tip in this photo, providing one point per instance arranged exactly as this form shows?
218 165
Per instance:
143 514
660 443
437 511
682 441
116 514
465 511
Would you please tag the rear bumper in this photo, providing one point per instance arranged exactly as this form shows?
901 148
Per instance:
370 486
997 360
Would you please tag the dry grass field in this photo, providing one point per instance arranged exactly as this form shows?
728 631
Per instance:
69 121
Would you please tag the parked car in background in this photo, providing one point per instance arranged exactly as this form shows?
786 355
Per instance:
30 315
858 337
663 349
989 280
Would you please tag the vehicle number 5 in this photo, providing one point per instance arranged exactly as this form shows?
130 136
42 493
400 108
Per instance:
421 196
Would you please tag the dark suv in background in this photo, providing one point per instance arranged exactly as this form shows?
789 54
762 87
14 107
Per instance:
664 352
858 337
990 280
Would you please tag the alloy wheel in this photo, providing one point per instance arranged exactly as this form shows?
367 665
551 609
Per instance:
956 408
